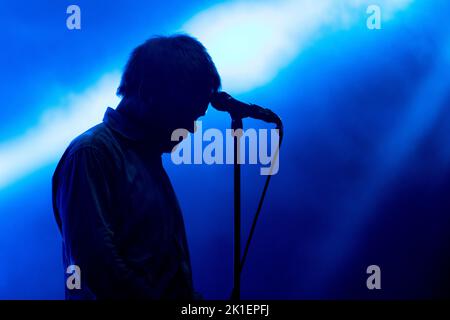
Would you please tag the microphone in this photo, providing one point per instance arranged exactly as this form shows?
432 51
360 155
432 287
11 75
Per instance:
222 101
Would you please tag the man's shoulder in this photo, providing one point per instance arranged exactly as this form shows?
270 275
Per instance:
93 144
98 138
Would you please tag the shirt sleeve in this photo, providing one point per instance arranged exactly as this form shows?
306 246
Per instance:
84 200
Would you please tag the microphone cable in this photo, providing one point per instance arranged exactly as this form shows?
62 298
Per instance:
260 204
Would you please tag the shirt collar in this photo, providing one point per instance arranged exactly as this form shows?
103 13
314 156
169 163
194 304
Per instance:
119 123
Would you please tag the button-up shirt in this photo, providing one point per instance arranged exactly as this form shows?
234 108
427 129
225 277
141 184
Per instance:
119 217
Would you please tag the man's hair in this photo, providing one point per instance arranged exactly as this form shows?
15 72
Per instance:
165 68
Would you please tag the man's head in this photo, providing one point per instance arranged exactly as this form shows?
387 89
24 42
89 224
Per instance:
173 79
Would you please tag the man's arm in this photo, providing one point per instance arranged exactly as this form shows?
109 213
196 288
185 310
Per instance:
84 201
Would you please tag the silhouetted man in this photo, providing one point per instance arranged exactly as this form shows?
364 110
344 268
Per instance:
114 204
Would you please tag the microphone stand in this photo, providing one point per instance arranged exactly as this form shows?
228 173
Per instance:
236 124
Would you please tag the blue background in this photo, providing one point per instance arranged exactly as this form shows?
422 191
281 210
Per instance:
364 171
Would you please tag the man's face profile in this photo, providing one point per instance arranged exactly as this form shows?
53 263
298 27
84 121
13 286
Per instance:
182 116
